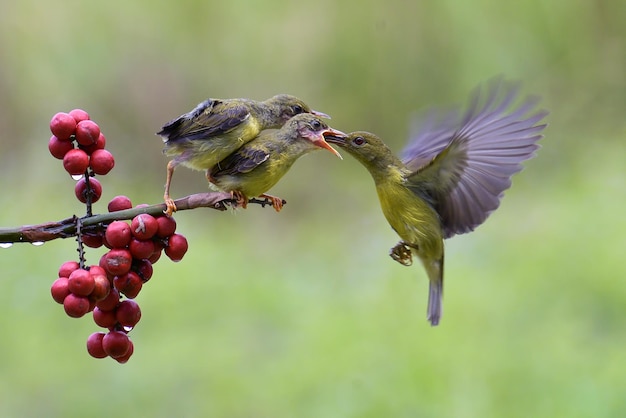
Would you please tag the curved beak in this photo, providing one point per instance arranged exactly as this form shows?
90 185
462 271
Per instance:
333 138
320 140
320 114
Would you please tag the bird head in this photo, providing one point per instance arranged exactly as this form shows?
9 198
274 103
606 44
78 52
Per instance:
312 128
288 106
367 148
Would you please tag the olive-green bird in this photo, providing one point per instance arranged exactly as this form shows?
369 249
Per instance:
217 127
452 175
257 166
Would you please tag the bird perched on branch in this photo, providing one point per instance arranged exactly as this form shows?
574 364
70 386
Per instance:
257 166
452 174
217 127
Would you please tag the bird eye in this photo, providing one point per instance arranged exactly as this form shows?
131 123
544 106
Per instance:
297 109
359 140
316 124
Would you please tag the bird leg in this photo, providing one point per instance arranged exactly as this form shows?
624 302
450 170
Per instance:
276 202
402 253
169 202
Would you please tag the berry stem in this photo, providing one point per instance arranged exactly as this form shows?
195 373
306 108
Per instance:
81 248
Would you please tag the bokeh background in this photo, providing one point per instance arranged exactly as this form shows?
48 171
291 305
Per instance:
303 314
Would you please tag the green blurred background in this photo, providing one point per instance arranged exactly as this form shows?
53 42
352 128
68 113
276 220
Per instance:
303 314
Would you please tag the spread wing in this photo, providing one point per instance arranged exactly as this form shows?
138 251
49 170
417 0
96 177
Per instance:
467 178
209 119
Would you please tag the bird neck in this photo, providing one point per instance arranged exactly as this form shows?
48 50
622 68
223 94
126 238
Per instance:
387 168
269 117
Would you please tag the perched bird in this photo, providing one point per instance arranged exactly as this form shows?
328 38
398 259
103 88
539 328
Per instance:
452 175
257 166
217 127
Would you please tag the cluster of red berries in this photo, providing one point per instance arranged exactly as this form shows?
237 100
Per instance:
109 288
77 141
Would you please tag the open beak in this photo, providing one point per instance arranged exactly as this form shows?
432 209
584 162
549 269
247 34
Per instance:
335 139
320 114
320 140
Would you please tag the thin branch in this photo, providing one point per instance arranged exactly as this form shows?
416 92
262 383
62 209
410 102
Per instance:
66 228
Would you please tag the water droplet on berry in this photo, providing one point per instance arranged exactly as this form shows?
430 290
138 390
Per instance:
77 176
127 329
37 243
6 244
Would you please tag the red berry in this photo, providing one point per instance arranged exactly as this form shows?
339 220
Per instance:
119 203
80 190
131 348
87 132
63 126
60 289
116 343
118 234
117 261
144 226
155 255
101 161
167 226
76 161
81 283
140 249
67 268
104 319
93 240
128 284
79 115
128 313
176 247
143 268
76 306
97 271
110 302
94 345
101 289
59 148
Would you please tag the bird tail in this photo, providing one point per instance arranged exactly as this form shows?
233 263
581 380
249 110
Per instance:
435 291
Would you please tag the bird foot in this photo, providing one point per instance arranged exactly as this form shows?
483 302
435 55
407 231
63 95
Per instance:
402 254
171 206
239 198
276 202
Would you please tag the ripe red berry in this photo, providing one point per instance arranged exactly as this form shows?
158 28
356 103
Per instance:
167 226
144 226
67 268
63 126
101 289
116 343
76 161
59 148
143 268
76 306
117 261
101 161
104 319
60 289
128 313
176 247
119 203
87 132
128 284
118 234
94 345
93 240
141 249
80 190
131 348
110 302
79 115
81 283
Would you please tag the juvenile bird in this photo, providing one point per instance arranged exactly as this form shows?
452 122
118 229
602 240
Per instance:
257 166
452 175
216 127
